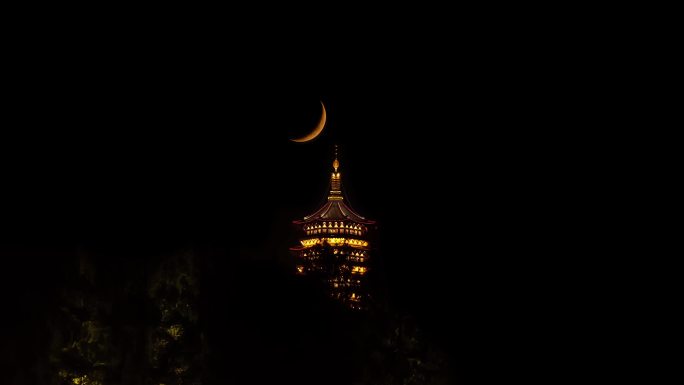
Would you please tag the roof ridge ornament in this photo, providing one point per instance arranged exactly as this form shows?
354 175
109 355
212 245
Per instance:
335 181
336 163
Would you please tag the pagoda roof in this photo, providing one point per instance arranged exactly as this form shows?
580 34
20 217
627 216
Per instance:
335 210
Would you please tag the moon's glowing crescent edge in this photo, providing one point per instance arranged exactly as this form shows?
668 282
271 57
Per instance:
317 131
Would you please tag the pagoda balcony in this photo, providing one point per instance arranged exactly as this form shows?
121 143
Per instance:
334 241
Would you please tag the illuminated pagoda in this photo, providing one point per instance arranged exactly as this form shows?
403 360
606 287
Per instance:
335 247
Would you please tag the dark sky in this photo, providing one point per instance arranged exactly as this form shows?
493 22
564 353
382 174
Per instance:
457 165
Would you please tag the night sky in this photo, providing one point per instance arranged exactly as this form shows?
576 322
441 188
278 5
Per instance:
456 167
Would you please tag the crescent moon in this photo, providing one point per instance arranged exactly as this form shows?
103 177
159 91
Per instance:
316 131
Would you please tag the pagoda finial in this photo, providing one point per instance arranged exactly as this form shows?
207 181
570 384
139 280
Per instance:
336 163
335 181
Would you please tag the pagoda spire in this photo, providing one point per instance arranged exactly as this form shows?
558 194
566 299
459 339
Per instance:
335 181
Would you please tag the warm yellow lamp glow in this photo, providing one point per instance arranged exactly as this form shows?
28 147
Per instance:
334 242
310 242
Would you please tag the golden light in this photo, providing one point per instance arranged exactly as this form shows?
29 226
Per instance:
310 242
334 242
